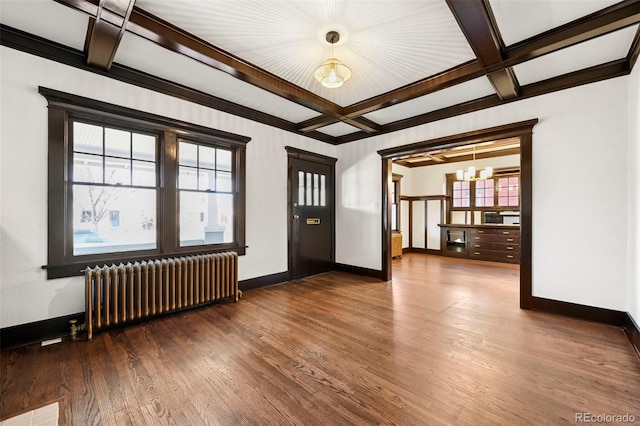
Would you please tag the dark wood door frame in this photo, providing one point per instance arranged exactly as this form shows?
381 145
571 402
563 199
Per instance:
295 153
425 199
522 130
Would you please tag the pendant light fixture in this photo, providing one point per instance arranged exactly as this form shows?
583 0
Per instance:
332 73
470 174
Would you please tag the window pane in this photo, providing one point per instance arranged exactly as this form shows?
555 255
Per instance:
144 173
513 185
205 218
187 154
316 189
207 157
187 178
144 147
206 180
117 171
503 201
301 188
108 219
117 143
461 194
484 193
223 160
323 193
309 202
394 218
87 138
87 168
223 182
513 201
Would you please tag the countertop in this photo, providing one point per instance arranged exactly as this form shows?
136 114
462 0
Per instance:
479 225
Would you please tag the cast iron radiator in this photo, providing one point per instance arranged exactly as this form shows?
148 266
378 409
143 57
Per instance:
119 294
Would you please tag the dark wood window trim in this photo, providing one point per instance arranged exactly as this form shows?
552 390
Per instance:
63 109
444 199
395 203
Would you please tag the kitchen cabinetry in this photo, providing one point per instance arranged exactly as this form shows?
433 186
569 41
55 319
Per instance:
498 243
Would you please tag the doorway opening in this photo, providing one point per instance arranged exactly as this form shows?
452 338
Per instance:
521 132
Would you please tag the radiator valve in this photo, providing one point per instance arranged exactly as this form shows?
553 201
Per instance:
76 328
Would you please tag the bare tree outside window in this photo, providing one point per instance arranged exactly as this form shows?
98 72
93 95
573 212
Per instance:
100 198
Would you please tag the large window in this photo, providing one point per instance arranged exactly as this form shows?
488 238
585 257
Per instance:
508 191
461 194
126 185
114 189
206 194
485 195
500 193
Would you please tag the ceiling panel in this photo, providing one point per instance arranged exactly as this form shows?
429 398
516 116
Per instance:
46 19
472 152
338 129
593 52
521 19
463 92
387 44
181 69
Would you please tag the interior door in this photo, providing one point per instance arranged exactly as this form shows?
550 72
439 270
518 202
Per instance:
311 214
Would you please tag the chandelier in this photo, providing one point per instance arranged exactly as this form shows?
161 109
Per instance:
470 174
332 73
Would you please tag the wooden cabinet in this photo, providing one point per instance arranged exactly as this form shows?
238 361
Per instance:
497 243
396 244
501 245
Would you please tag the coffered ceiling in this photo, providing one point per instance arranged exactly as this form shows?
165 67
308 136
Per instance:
492 149
413 62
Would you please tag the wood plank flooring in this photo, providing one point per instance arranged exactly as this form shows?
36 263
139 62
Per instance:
443 344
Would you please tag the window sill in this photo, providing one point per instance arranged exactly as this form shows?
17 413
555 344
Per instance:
77 268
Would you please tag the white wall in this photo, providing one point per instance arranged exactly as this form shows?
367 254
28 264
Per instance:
633 246
25 294
579 171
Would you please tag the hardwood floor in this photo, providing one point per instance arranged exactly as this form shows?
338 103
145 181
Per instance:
444 343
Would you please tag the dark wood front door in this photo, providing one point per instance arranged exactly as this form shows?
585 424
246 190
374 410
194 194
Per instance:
311 213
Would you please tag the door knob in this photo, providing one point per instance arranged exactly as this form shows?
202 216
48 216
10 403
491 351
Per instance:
295 216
